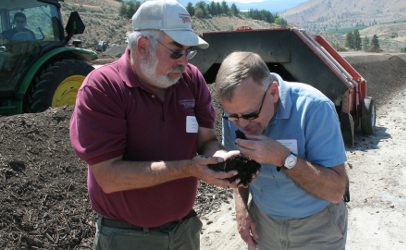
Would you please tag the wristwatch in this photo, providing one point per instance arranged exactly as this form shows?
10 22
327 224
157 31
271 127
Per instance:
290 161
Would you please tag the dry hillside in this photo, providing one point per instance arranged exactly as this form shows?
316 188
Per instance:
103 23
101 20
345 13
383 30
383 17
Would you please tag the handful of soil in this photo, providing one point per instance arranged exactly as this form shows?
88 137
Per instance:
240 134
241 163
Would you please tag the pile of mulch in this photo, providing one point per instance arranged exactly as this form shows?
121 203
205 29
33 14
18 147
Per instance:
385 74
43 192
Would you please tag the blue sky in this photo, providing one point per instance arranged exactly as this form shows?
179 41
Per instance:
270 5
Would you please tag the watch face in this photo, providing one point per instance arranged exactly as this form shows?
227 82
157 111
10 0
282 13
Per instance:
291 161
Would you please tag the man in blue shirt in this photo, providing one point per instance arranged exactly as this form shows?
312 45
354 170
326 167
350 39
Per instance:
293 130
19 33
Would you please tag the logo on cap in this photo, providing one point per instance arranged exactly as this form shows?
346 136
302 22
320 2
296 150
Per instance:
185 17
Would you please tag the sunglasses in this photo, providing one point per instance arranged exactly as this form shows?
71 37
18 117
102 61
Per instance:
248 117
177 53
19 21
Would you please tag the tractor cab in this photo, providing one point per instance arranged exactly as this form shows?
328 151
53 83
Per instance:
25 28
38 69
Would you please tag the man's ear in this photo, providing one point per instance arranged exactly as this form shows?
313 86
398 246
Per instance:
143 46
274 90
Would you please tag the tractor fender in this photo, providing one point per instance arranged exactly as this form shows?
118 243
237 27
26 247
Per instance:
55 55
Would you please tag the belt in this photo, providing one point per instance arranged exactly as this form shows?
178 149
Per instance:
126 225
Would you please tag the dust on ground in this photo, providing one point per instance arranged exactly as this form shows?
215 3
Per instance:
43 194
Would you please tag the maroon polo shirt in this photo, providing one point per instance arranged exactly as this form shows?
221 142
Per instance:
117 116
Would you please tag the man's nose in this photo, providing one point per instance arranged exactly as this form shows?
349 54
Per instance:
242 123
182 60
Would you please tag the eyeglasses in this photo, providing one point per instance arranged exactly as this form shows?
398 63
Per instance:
177 53
248 117
19 21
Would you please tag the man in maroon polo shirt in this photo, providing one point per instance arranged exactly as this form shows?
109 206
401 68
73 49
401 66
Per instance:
139 123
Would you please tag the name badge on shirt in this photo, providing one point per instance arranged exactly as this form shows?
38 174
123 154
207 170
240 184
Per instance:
191 124
290 144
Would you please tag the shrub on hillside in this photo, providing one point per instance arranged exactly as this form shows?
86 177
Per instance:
199 13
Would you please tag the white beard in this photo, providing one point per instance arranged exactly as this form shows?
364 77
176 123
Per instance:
148 67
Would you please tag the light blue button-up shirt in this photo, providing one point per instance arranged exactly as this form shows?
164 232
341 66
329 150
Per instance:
307 123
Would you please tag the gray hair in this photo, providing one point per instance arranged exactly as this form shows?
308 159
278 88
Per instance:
237 67
151 35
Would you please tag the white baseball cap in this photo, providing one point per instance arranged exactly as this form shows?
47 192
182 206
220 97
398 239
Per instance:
170 17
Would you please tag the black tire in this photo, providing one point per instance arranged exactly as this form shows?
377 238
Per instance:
368 116
347 128
57 85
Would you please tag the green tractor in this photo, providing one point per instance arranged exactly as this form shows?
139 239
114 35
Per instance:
38 68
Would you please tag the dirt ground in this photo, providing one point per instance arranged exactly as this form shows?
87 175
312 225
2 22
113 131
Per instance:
44 202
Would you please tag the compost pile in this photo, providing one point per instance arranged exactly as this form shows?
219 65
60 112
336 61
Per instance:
43 194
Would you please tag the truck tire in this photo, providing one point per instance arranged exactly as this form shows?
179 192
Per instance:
347 128
57 85
368 116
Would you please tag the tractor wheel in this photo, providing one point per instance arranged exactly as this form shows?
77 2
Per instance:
347 128
368 116
57 85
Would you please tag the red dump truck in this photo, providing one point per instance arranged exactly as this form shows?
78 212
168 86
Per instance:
298 56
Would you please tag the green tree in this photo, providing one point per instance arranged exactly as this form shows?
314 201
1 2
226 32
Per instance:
190 8
199 13
275 15
357 40
212 8
394 34
218 8
224 7
349 40
365 43
282 22
122 11
375 41
203 6
266 16
132 7
234 10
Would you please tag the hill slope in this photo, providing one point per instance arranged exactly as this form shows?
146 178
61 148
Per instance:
382 16
103 23
326 14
